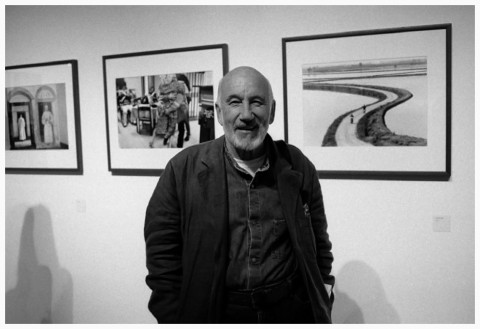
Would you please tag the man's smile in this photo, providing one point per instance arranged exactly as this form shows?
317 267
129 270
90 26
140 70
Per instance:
246 128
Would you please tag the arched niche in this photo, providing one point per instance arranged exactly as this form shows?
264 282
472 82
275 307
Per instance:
20 119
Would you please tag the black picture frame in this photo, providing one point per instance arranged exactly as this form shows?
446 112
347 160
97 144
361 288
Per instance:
46 98
128 152
326 69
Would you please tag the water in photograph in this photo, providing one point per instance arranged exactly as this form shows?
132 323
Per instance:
321 108
409 118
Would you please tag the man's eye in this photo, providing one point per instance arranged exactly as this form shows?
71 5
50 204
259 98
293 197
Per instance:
234 103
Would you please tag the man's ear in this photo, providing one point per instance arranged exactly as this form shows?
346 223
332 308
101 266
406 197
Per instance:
272 112
219 114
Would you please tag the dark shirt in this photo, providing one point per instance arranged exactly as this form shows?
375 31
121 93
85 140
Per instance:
260 248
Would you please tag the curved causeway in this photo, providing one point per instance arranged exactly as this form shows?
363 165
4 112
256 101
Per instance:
353 127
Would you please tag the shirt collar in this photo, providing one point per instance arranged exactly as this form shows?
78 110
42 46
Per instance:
228 155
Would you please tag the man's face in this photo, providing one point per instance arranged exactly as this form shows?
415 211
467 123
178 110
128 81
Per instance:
245 110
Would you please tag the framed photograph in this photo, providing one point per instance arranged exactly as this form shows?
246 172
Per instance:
42 119
371 104
158 103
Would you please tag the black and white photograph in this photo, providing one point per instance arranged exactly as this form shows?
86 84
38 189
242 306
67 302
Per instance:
147 117
37 117
381 102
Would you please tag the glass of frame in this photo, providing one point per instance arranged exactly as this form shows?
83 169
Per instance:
371 104
42 119
158 103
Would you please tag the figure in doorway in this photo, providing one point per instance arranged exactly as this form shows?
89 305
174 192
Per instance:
47 122
22 135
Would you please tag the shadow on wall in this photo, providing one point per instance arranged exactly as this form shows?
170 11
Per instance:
44 291
360 297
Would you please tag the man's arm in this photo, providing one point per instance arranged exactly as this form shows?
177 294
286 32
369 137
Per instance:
176 103
319 225
164 248
313 203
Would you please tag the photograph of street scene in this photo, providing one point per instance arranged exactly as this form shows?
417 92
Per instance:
165 110
378 102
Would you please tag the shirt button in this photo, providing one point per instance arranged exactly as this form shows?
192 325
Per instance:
254 260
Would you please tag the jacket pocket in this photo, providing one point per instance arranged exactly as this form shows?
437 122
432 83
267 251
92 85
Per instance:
279 226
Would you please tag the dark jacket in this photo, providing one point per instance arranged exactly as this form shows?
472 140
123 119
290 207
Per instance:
186 232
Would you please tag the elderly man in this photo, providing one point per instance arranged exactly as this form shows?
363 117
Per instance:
235 230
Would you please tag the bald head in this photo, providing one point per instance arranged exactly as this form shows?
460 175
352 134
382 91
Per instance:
243 73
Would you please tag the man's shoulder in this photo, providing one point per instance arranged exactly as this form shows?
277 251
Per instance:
289 150
293 155
294 151
201 150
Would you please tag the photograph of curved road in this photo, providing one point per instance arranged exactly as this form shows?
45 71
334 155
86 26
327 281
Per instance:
364 124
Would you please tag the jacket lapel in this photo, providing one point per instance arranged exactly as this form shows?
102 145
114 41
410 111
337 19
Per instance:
212 188
289 182
213 192
289 187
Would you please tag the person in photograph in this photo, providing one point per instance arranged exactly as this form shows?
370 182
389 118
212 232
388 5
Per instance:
165 121
125 103
182 113
185 84
235 229
206 122
173 99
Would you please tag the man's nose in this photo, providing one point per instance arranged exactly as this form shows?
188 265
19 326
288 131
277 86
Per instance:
246 112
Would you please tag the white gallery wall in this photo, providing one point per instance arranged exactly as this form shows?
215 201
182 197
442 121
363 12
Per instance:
74 249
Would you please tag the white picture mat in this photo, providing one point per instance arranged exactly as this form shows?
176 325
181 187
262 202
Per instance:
45 158
430 43
146 65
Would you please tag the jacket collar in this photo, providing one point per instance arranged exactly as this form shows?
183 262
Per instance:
288 179
277 152
214 154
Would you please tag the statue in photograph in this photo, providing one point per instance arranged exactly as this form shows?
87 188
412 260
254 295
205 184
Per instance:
22 135
47 122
